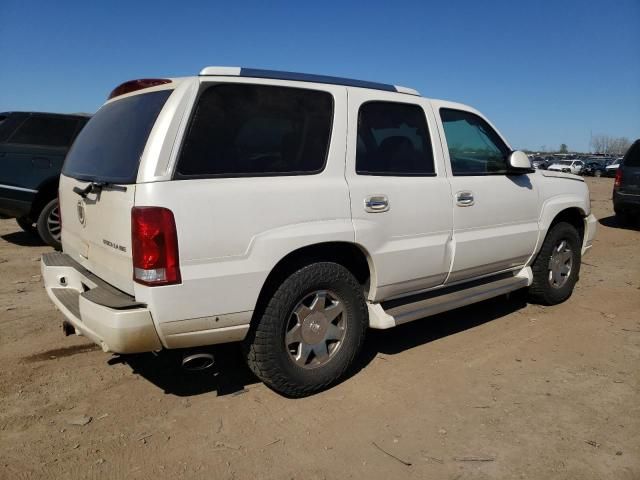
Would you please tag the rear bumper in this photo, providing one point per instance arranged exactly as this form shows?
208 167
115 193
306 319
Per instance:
626 202
96 310
590 226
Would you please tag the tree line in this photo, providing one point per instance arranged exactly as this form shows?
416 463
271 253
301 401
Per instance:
607 144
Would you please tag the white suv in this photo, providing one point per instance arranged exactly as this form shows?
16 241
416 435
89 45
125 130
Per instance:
292 212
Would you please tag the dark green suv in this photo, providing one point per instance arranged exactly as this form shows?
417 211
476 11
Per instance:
32 149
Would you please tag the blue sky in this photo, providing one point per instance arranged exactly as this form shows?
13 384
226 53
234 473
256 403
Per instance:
545 72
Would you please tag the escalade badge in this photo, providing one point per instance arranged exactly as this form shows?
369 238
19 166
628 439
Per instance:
81 216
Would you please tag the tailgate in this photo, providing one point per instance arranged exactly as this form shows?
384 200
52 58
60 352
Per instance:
102 168
97 230
630 181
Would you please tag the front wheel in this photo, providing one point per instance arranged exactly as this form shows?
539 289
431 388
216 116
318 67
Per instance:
49 224
311 330
556 269
597 173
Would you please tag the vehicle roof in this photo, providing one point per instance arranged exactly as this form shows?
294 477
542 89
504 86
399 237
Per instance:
304 77
13 112
248 73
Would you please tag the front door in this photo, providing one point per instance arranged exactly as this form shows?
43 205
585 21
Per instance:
495 214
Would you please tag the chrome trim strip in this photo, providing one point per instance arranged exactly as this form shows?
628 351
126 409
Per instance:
20 189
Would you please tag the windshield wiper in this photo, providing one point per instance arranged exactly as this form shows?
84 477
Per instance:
96 187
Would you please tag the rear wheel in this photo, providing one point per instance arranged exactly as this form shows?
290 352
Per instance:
556 269
27 225
311 330
49 224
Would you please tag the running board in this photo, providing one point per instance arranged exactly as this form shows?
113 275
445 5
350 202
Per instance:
396 312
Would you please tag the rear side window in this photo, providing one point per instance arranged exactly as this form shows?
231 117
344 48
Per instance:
257 130
110 145
474 147
393 139
45 131
632 157
6 127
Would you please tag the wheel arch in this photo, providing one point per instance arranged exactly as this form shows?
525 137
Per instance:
569 211
350 255
47 191
574 216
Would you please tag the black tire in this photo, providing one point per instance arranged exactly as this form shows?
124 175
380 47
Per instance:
266 352
27 225
48 234
541 290
597 173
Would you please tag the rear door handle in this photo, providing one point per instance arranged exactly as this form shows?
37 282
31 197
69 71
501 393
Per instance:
464 199
376 203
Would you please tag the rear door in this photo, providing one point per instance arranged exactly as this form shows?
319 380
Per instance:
36 149
97 186
400 195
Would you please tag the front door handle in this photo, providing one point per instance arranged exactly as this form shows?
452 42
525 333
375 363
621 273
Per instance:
464 199
376 203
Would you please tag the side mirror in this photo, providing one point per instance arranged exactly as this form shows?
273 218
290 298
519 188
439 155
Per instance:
519 162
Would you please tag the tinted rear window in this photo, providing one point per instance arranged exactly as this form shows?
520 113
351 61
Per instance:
257 130
110 145
632 158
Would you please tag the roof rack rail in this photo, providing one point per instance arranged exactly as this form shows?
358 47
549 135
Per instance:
303 77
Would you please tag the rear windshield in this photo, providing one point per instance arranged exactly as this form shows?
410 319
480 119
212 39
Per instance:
632 158
109 147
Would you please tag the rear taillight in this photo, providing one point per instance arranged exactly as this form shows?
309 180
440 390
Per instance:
618 181
154 246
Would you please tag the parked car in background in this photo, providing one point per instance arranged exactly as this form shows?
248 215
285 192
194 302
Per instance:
612 168
539 163
626 188
33 146
594 168
292 212
567 166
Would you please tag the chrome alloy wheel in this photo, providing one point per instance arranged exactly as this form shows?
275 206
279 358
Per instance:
560 264
316 329
53 223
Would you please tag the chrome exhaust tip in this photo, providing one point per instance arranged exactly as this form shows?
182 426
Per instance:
196 362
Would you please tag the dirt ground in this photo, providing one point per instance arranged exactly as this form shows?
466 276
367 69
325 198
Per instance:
500 389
